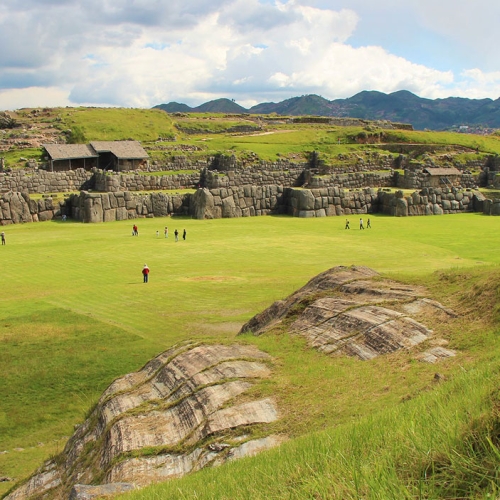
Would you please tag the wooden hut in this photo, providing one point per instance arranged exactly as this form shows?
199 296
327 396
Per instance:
120 155
61 157
443 177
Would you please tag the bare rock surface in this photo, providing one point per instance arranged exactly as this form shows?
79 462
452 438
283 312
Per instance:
353 311
184 410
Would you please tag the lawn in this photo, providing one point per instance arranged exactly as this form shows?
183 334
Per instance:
74 313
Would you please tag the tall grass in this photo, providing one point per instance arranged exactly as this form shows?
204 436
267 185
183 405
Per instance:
429 447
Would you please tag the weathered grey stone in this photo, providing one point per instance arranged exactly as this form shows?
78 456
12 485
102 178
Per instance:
178 399
92 212
359 318
401 208
87 492
437 210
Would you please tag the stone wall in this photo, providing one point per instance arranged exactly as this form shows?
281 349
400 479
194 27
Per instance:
114 182
332 201
235 178
352 180
254 200
244 201
40 181
429 201
417 179
17 208
107 207
364 172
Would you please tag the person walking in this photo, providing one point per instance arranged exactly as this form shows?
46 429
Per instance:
166 232
368 225
347 224
145 273
361 224
176 234
3 238
184 234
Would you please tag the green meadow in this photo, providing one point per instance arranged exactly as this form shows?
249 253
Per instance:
75 314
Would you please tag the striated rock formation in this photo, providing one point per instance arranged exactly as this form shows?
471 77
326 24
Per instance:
185 410
353 312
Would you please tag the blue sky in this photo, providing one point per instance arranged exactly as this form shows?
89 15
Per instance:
139 53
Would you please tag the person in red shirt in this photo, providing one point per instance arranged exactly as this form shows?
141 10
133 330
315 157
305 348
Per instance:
145 273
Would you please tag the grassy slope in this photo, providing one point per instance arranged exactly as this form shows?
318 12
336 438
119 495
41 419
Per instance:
74 313
282 140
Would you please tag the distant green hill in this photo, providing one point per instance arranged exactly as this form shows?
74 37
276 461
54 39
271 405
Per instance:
216 106
402 106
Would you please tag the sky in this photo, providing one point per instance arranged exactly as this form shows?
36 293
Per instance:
140 53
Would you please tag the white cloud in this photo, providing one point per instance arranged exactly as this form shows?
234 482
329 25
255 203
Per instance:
33 97
145 52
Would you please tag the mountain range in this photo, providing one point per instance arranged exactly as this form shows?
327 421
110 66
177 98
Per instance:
402 106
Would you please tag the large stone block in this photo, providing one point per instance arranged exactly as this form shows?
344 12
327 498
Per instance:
401 208
109 215
121 213
307 213
437 210
92 212
305 199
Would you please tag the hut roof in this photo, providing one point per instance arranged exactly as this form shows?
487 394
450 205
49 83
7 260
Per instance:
121 149
442 171
70 151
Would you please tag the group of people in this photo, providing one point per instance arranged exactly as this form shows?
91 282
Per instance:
176 234
361 225
135 232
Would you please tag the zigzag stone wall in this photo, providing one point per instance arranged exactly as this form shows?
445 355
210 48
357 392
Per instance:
244 201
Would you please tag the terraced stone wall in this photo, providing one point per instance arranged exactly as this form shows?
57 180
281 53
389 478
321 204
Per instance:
114 182
40 181
107 207
430 201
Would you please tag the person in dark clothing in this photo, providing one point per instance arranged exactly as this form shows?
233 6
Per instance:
368 225
145 273
347 224
176 234
184 235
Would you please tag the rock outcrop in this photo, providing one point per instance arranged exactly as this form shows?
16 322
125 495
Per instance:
185 410
353 312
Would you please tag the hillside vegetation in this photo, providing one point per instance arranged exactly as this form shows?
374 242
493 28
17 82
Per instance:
199 135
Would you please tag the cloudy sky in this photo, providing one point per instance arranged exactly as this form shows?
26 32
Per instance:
139 53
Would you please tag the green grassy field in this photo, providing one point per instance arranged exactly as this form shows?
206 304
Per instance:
74 314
